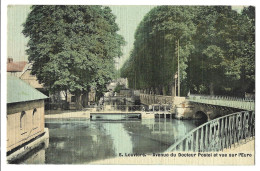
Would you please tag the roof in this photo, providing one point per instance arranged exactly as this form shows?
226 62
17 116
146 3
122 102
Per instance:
20 91
16 66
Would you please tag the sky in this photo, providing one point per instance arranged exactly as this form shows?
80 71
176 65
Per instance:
127 17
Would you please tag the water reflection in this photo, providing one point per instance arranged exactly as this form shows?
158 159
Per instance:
78 141
121 139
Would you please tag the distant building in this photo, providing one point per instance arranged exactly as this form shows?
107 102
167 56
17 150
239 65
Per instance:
15 68
25 117
31 79
22 70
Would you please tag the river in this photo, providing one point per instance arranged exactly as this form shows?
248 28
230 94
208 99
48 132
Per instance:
81 141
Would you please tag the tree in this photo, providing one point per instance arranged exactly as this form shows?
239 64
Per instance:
217 63
217 50
153 61
72 47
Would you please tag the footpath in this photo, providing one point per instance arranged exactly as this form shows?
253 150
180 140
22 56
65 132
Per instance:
242 154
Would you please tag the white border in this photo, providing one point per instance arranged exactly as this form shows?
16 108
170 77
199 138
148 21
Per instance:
4 4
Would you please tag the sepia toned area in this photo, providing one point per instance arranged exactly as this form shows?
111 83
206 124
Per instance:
131 85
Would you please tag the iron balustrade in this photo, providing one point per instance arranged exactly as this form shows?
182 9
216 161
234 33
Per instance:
152 99
234 102
218 134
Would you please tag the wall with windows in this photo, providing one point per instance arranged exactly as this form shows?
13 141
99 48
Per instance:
25 121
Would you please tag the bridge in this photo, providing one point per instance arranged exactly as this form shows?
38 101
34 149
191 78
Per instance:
200 106
225 101
231 121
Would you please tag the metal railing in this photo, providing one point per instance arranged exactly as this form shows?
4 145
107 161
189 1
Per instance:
122 108
135 108
218 134
152 99
235 102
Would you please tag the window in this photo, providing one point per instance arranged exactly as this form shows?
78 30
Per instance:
34 116
22 120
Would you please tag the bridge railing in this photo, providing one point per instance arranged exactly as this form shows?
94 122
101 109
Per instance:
217 97
218 134
241 103
153 99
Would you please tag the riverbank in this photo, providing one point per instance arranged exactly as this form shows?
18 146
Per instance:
65 114
241 155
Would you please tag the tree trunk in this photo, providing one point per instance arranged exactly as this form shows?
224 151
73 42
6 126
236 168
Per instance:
78 101
85 99
164 90
157 90
211 88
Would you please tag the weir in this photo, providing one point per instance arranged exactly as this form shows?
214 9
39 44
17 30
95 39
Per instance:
124 112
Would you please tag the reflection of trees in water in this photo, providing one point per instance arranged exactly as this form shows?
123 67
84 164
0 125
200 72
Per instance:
121 139
156 135
83 141
81 144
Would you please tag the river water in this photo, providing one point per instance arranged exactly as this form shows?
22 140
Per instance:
81 141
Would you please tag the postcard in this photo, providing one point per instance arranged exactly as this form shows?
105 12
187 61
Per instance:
130 84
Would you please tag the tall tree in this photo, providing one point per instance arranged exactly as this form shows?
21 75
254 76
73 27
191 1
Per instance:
217 50
72 47
154 57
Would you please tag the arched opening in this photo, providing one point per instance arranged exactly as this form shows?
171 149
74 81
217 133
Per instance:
22 120
199 115
34 118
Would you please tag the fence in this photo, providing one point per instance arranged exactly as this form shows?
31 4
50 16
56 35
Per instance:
218 134
235 102
155 99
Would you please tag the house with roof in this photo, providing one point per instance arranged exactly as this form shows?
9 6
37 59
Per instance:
25 118
16 68
64 100
22 70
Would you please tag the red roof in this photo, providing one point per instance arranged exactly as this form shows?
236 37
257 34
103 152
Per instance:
16 66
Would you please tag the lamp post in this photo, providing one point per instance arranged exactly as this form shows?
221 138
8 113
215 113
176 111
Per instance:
175 78
179 87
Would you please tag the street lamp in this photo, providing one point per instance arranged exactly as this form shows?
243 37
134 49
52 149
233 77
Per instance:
179 87
175 78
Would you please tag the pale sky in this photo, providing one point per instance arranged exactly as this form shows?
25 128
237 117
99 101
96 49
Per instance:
128 18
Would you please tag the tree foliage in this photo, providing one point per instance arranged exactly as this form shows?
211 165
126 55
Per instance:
217 50
72 47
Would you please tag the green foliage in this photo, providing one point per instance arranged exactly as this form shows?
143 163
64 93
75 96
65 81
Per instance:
217 50
72 47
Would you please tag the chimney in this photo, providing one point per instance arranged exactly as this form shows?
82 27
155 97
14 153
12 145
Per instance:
9 60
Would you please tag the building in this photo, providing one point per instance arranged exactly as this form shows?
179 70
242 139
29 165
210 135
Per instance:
22 70
16 68
31 79
61 99
25 118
